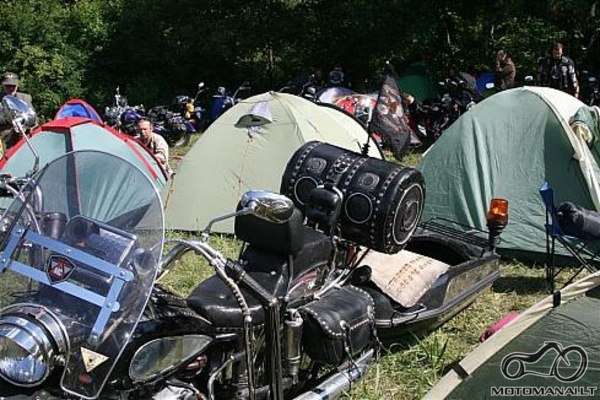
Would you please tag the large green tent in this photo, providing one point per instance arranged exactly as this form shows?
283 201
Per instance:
549 351
248 147
507 146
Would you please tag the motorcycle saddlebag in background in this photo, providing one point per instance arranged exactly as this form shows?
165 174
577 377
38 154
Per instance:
339 325
382 201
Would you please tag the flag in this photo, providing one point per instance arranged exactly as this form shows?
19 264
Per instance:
389 120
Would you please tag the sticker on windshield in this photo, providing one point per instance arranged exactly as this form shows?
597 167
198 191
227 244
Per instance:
91 359
59 268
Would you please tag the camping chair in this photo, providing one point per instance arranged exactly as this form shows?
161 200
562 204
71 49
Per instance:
577 246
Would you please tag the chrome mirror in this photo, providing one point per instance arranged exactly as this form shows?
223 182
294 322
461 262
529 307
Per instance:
15 110
269 206
21 116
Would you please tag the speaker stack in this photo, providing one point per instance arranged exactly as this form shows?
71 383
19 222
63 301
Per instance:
382 202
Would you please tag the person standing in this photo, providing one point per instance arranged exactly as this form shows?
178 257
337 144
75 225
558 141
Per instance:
155 143
10 86
558 71
505 71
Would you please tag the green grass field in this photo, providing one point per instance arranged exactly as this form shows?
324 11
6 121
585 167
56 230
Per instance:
408 370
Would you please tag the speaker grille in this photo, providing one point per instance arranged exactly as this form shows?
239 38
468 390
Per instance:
408 213
359 208
302 189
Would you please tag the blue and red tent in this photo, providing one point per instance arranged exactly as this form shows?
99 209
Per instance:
60 136
77 108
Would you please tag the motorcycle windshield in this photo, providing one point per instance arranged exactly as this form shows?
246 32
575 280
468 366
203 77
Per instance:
82 243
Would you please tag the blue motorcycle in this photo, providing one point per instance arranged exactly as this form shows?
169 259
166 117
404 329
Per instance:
223 101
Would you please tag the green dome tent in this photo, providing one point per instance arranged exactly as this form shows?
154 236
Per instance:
507 146
248 147
60 136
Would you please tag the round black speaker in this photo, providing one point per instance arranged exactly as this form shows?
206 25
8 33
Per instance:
368 181
358 208
408 213
303 187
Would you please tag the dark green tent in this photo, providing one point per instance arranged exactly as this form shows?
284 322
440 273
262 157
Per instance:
507 146
550 351
417 80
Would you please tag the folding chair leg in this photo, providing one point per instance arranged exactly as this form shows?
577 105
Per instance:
552 272
550 264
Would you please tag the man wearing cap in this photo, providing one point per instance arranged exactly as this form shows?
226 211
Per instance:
10 83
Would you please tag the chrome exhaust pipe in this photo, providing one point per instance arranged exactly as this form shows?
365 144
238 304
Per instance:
340 382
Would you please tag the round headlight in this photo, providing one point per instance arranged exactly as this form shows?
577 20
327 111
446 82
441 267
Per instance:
27 348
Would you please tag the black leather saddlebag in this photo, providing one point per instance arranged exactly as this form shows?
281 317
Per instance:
338 326
382 202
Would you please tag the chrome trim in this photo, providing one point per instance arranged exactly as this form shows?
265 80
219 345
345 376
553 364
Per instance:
37 322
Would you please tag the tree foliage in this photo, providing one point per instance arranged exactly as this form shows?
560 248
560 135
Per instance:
155 49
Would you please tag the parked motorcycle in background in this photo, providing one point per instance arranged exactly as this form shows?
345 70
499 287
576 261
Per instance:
223 101
431 118
122 116
593 89
177 121
195 112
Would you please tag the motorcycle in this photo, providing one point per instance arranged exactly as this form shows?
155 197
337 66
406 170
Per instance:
594 90
83 314
194 112
122 116
306 86
223 101
431 118
178 121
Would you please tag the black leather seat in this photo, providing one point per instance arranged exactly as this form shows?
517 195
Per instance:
266 260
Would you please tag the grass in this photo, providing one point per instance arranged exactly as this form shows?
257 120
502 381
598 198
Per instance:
407 370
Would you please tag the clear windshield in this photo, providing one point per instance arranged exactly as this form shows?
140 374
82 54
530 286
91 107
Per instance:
83 241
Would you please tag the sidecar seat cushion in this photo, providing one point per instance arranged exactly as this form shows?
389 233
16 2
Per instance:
404 276
286 238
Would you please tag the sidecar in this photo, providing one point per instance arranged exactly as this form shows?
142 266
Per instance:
442 270
418 273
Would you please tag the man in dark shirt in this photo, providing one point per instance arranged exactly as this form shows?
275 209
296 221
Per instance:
558 71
